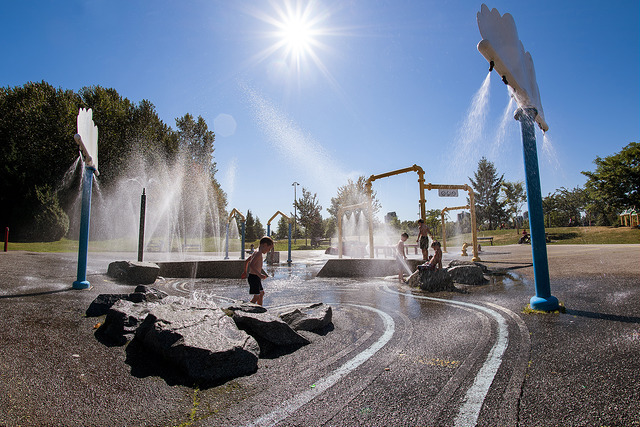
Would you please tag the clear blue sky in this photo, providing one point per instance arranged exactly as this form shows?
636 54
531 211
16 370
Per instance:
377 85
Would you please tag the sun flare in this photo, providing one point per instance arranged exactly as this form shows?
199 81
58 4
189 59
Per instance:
296 35
296 30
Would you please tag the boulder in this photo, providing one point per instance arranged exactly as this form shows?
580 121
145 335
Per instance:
414 279
269 328
247 307
204 343
144 293
467 274
436 280
310 318
457 262
122 320
102 303
134 272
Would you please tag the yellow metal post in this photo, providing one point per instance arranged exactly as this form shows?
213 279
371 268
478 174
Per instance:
474 230
472 208
444 237
423 212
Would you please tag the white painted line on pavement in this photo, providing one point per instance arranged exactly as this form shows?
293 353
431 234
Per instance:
470 409
290 406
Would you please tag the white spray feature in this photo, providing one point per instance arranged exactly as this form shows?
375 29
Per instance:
467 150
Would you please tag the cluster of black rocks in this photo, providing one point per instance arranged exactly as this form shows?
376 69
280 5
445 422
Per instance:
460 272
204 343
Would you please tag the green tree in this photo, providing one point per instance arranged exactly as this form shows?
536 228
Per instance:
433 219
249 228
37 124
352 193
196 138
309 215
283 228
549 204
564 205
486 186
515 196
615 184
258 229
330 227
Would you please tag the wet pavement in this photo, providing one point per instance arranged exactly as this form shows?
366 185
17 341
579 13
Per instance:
395 357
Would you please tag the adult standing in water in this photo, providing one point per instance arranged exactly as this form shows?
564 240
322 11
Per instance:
423 239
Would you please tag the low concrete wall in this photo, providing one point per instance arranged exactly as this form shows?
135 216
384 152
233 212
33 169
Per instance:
221 269
363 267
231 269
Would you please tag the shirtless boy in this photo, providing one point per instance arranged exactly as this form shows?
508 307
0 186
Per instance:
401 257
423 239
253 270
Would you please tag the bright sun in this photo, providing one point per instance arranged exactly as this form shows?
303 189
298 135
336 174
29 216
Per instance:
296 31
296 35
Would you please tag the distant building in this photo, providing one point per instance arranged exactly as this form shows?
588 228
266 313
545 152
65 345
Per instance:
390 216
464 217
464 222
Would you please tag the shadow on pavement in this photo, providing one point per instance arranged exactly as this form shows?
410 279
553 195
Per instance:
35 294
603 316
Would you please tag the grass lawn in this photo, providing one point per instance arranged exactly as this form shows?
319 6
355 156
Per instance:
209 244
558 235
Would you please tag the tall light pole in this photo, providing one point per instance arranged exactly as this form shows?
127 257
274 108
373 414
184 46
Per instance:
295 202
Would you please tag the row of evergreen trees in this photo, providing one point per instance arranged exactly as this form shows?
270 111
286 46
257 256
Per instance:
37 124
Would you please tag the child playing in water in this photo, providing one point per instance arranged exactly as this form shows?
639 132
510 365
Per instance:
401 257
253 270
423 239
435 262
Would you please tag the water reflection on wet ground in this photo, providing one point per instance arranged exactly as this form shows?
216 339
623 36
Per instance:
297 284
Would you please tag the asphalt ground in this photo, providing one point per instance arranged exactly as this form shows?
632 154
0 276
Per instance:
579 367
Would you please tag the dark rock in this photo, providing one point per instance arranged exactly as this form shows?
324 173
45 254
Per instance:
414 279
267 327
436 280
122 320
102 303
144 293
134 272
204 343
457 262
247 307
467 275
310 318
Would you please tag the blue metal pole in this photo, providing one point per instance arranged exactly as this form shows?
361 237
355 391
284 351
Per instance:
242 246
289 259
543 300
83 241
226 244
269 230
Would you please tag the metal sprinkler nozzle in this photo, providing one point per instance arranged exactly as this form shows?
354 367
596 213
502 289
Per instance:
504 80
491 64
